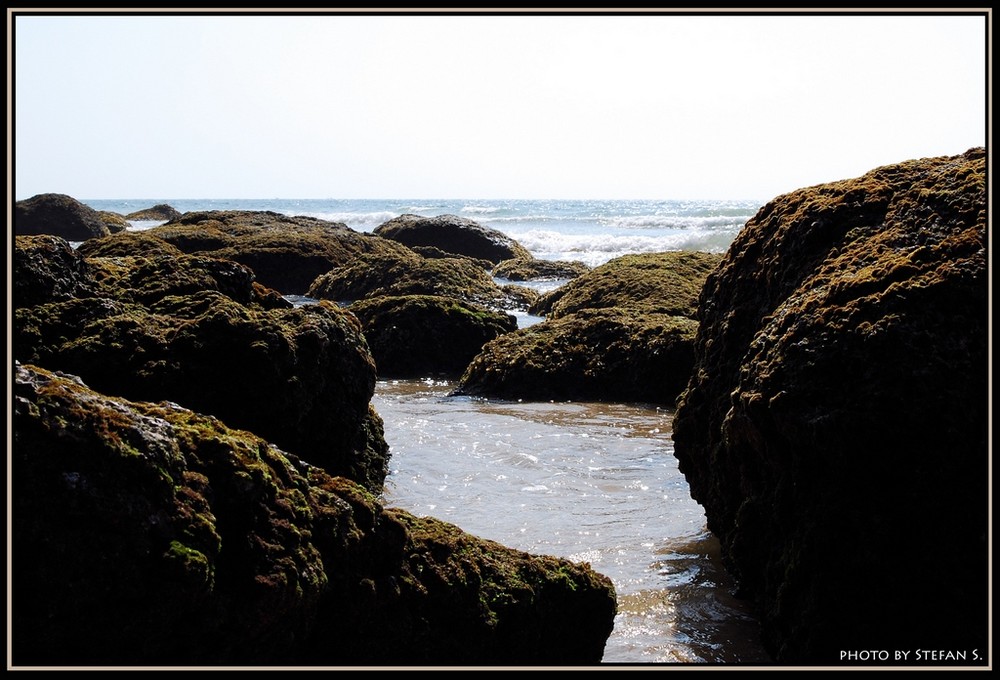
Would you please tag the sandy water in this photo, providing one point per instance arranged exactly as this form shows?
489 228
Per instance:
589 482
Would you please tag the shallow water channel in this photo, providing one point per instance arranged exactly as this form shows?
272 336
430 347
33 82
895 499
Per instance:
589 482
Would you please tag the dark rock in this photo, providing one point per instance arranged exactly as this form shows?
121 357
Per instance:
664 283
406 273
433 253
202 332
148 535
126 244
302 377
285 253
530 269
452 234
47 269
160 211
422 335
58 215
620 332
836 426
113 221
601 355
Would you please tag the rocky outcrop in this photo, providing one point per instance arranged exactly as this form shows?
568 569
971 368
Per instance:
663 283
406 273
160 211
453 234
127 244
113 221
592 355
836 426
147 534
427 335
285 253
58 215
620 332
47 269
201 332
530 269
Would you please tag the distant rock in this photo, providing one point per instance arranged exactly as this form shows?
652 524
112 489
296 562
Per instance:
160 211
836 425
530 269
452 234
285 253
665 283
424 335
113 221
621 332
58 215
390 273
592 355
149 535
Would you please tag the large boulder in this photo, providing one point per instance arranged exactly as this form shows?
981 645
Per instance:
623 331
836 426
58 215
417 336
452 234
47 269
592 355
406 273
663 283
160 211
201 332
113 221
285 253
149 535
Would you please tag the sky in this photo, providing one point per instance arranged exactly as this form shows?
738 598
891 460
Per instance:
601 106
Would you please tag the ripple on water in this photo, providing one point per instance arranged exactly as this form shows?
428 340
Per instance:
594 483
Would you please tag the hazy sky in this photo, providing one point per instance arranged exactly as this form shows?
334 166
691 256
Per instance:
596 106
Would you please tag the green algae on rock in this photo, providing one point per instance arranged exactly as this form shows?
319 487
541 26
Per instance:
407 273
203 333
160 211
621 331
664 283
595 354
285 253
530 269
835 427
58 215
147 534
416 336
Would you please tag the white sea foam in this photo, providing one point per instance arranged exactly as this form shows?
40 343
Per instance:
595 249
359 221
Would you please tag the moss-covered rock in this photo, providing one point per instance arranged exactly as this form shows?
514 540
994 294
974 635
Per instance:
202 332
664 283
302 377
146 534
58 215
424 335
407 273
621 332
160 211
836 426
601 355
47 269
285 253
530 269
453 234
113 221
127 244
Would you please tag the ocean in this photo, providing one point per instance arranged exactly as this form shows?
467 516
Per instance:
590 482
590 231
